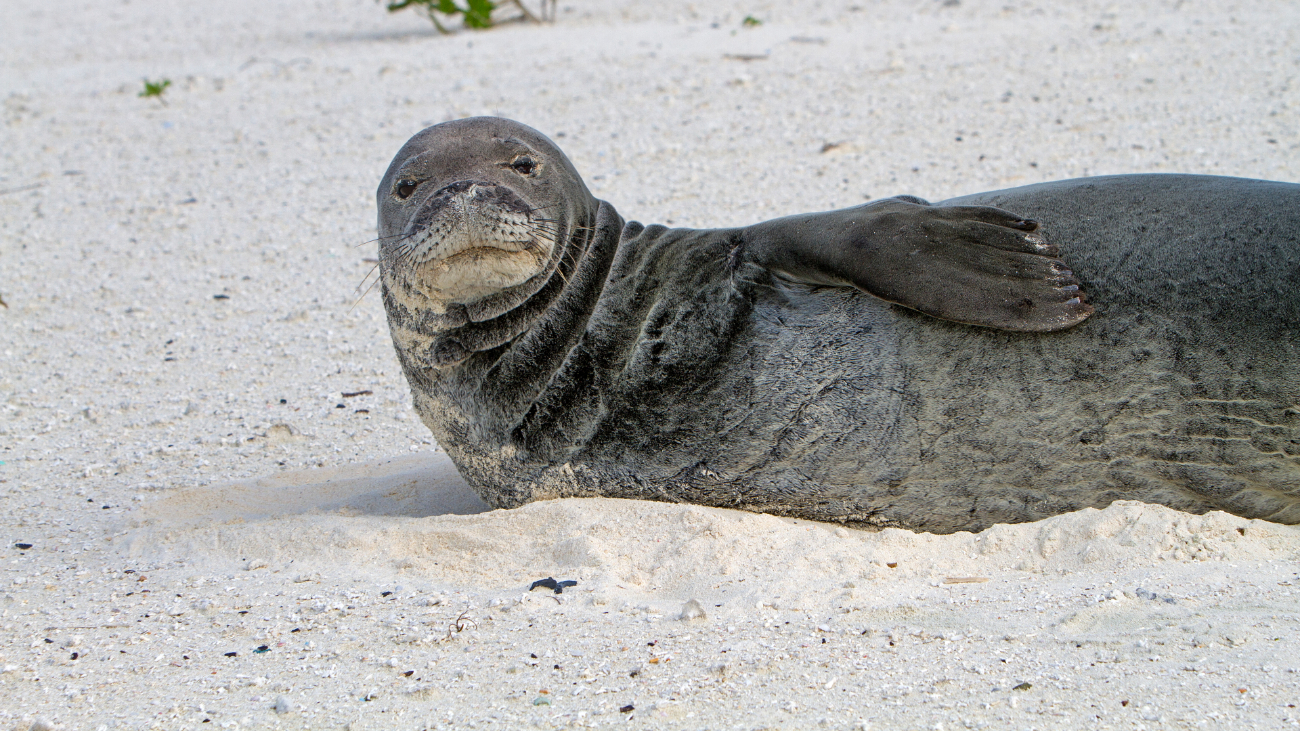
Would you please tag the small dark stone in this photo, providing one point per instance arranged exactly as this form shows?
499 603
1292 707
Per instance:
549 583
231 654
22 546
627 709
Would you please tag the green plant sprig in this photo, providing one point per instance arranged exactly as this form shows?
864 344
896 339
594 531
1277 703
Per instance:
155 89
476 14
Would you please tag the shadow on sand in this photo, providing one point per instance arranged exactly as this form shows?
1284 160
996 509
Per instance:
413 486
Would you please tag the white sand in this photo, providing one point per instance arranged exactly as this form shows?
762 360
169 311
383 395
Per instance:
178 510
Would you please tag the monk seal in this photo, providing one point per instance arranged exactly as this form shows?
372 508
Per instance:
932 367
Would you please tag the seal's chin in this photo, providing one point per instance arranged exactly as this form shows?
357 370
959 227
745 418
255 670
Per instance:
474 273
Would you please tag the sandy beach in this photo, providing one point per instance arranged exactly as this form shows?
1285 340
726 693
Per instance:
220 511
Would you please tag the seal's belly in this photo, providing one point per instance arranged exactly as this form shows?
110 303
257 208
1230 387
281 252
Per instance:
825 399
833 405
1017 428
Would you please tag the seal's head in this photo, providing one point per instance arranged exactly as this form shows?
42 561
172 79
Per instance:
475 208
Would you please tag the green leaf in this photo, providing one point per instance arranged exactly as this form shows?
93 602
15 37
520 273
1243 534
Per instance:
750 21
155 88
479 14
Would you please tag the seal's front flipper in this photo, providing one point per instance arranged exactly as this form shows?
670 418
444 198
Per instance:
970 264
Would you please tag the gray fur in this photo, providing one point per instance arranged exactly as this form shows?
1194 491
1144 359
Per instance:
669 364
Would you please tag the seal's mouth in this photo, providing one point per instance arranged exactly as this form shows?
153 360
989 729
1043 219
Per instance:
477 251
467 216
470 239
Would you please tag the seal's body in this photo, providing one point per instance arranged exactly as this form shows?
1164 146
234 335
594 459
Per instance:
750 368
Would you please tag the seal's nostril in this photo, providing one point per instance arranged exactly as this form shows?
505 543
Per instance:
460 186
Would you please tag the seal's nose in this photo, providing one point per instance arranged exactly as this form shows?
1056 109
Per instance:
471 197
460 186
473 192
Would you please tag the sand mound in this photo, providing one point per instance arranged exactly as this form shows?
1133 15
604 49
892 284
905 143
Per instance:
413 518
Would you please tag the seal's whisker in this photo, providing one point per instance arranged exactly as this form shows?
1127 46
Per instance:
566 257
363 294
539 237
378 238
563 277
363 279
548 233
405 251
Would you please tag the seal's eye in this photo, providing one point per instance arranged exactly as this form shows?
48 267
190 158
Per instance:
405 188
524 165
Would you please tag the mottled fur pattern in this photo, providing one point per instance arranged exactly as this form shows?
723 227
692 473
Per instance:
662 364
1183 390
